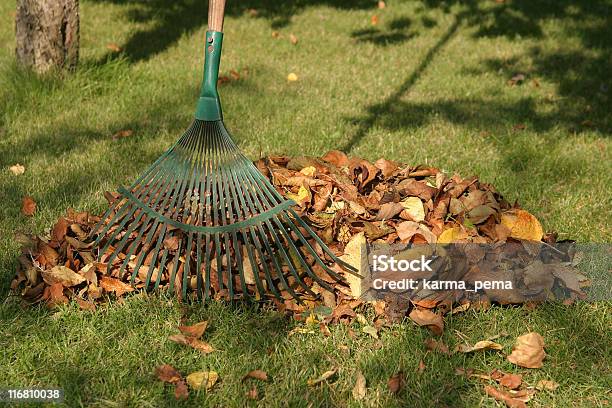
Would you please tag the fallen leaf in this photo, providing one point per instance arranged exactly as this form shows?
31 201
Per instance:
481 345
256 374
504 397
336 157
167 373
512 381
292 77
522 225
202 380
28 206
113 47
421 367
181 392
425 317
192 342
374 20
396 382
528 351
547 385
17 169
381 4
171 243
371 330
325 376
196 331
414 208
115 285
122 133
86 305
359 390
61 274
293 39
275 34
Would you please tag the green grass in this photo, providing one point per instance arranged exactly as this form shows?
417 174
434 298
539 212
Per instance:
427 84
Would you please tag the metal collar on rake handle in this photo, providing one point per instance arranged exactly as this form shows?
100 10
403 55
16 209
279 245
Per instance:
204 218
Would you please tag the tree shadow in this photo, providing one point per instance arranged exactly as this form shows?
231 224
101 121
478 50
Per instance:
396 32
171 19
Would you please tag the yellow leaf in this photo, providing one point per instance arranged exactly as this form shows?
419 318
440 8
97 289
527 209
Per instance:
292 77
449 235
481 345
309 171
414 207
522 225
17 169
202 380
311 320
352 256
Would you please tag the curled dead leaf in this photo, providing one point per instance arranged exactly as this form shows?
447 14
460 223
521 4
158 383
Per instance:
429 319
481 345
192 342
17 169
196 331
167 373
257 375
28 206
359 390
528 351
522 225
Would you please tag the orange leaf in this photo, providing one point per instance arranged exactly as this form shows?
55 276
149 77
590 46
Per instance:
115 285
192 342
374 19
196 331
505 397
256 374
28 206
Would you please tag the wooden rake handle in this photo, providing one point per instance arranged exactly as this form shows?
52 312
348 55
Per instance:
216 12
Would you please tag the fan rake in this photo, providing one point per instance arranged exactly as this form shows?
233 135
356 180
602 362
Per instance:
205 217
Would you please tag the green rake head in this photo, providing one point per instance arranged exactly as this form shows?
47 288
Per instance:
204 217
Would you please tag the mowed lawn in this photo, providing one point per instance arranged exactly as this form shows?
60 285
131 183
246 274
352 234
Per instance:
430 82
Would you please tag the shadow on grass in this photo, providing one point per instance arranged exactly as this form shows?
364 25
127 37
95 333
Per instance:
171 19
397 31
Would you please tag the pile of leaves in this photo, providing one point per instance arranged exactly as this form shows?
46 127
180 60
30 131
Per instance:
347 201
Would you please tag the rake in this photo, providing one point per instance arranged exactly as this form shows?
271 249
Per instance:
205 217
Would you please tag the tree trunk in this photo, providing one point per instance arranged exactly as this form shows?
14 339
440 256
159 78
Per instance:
47 34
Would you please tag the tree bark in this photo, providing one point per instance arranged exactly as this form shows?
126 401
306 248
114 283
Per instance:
47 34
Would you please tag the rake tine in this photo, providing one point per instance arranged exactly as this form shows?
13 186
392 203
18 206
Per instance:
162 265
187 259
144 251
160 239
175 267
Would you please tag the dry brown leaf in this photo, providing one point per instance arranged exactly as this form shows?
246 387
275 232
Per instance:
171 243
323 377
61 274
28 206
275 34
293 39
167 373
192 342
425 317
512 381
374 20
481 345
196 331
17 169
504 397
381 4
181 392
86 305
115 285
359 390
202 380
528 351
257 375
395 383
421 367
337 158
122 133
547 385
387 167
